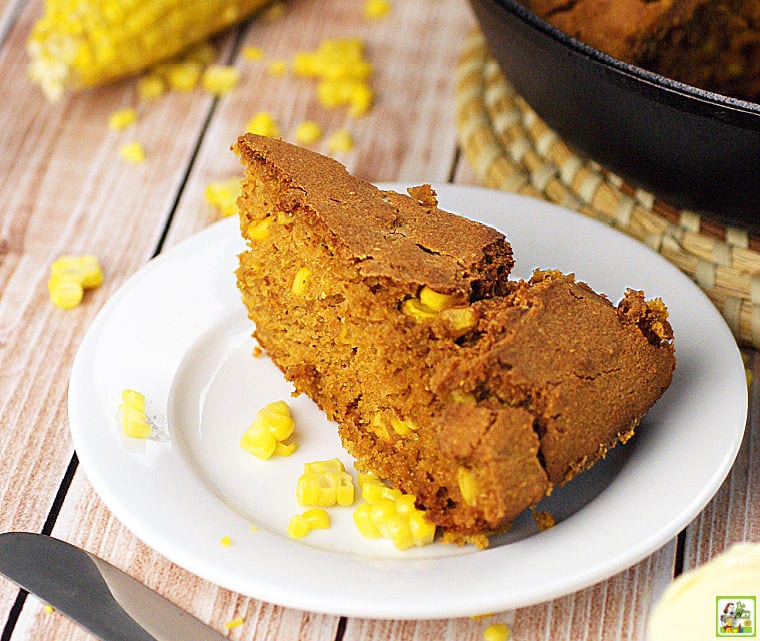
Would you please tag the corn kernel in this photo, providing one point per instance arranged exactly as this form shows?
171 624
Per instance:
263 124
423 531
183 76
122 118
259 441
322 467
324 484
132 152
341 140
360 100
413 308
298 527
435 300
223 195
234 623
272 425
133 420
70 276
458 396
225 541
461 319
253 52
374 9
151 86
285 449
220 79
308 132
66 294
318 519
382 510
403 427
49 609
364 523
468 486
380 429
496 632
300 281
259 229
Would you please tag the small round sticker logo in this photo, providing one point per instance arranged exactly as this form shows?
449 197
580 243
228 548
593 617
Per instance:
736 616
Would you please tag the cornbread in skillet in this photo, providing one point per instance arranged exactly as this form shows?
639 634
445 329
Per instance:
475 393
710 44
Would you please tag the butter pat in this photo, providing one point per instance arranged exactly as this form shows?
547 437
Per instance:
703 604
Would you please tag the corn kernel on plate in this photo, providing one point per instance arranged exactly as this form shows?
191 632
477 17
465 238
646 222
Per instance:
176 333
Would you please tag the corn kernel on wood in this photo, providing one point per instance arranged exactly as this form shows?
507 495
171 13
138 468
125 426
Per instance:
83 43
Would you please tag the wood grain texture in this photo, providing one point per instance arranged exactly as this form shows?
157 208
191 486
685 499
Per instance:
63 189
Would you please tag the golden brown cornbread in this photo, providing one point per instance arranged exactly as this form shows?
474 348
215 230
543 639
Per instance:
711 44
473 392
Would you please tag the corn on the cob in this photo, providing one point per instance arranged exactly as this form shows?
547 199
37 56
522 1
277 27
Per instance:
83 43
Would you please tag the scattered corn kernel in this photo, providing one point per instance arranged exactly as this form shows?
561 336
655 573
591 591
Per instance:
374 9
324 484
225 541
70 276
220 79
223 195
318 519
263 124
339 141
122 118
183 76
233 623
496 632
253 52
300 281
391 514
308 132
298 527
151 86
133 420
272 426
49 609
343 72
468 486
132 152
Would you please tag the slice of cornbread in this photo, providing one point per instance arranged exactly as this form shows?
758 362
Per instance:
472 392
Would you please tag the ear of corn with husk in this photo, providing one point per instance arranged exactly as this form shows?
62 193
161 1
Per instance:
83 43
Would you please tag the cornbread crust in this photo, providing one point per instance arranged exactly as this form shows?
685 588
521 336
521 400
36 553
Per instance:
478 408
711 44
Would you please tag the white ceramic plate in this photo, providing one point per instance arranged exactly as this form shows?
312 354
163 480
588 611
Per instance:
177 332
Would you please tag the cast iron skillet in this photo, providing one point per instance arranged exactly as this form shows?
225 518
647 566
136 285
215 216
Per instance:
694 149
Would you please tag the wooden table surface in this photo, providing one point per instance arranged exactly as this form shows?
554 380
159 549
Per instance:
64 189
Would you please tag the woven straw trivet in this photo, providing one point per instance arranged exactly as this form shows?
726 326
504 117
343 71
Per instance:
511 148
